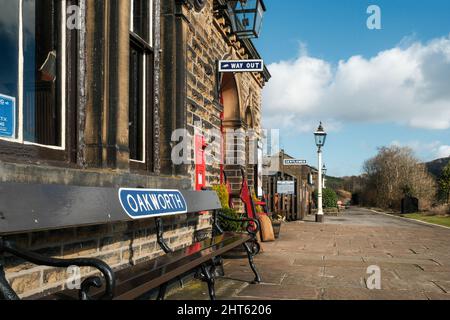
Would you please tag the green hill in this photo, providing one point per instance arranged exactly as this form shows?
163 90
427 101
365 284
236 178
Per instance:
435 167
335 183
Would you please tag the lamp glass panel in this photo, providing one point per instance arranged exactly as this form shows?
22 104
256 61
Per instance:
246 17
320 139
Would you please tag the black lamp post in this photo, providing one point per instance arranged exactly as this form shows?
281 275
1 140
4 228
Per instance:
320 136
246 17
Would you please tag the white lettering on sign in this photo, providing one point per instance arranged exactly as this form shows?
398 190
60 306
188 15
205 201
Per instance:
294 162
132 203
144 203
241 66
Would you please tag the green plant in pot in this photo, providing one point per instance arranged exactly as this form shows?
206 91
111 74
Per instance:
231 226
226 225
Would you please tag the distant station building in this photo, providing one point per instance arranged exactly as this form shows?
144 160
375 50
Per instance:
289 186
92 94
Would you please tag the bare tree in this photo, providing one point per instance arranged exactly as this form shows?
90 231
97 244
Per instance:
395 173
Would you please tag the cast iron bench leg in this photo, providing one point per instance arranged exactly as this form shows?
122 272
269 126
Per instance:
209 278
251 252
162 292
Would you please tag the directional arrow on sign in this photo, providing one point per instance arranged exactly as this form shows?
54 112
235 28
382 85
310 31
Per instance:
241 65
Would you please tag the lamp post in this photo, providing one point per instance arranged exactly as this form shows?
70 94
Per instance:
320 136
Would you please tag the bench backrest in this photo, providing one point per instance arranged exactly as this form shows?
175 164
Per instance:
34 207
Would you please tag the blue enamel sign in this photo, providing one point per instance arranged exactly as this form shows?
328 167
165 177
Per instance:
149 203
7 116
241 66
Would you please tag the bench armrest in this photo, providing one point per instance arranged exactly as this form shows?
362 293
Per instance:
253 225
6 292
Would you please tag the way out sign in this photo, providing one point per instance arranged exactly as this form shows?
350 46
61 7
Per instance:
7 116
241 66
149 203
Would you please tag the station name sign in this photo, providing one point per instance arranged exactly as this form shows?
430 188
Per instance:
294 162
241 66
150 203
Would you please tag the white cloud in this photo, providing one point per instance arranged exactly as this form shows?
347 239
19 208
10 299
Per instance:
408 85
428 151
443 152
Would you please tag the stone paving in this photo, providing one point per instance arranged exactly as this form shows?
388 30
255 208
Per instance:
329 262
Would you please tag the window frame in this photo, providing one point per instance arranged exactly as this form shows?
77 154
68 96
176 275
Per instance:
61 84
147 54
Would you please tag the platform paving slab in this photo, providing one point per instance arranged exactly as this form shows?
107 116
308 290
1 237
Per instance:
329 261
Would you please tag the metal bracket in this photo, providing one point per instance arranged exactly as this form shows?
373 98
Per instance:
216 224
160 236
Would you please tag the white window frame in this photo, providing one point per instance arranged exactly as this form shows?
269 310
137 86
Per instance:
151 4
20 91
144 80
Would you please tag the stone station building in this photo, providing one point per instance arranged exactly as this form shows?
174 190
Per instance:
300 204
97 104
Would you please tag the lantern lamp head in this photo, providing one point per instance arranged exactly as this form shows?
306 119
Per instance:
246 17
321 136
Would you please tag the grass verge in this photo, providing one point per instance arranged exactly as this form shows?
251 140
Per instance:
440 220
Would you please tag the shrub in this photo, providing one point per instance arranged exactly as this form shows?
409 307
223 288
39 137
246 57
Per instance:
440 210
329 198
222 193
231 226
444 184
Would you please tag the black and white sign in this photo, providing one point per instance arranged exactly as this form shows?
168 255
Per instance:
294 162
286 187
241 66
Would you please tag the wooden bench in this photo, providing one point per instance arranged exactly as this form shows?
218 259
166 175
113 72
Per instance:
31 207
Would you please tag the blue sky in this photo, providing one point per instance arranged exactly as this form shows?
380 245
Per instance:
338 62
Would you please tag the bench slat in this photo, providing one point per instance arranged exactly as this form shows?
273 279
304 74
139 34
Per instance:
35 207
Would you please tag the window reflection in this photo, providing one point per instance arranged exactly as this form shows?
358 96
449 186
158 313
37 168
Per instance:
9 53
136 103
141 11
41 113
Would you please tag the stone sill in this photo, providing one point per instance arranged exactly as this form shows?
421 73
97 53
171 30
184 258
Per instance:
46 174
